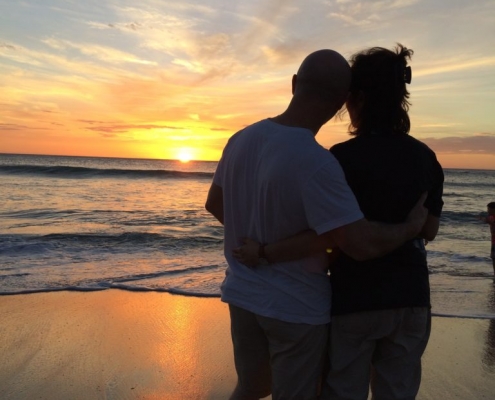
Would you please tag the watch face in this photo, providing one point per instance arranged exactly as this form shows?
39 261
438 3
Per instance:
263 261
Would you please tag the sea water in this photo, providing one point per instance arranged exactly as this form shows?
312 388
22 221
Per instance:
80 223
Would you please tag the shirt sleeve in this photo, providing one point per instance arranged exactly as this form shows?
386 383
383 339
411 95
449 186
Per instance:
328 200
217 177
434 201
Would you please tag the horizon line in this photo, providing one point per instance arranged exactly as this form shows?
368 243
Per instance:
176 159
113 157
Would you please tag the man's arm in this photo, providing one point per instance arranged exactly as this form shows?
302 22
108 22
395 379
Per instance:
214 202
361 240
364 240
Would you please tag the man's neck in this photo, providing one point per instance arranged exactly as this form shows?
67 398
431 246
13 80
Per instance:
297 121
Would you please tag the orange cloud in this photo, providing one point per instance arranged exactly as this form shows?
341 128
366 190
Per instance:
477 144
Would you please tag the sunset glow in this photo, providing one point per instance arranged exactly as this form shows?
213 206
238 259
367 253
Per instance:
185 155
121 79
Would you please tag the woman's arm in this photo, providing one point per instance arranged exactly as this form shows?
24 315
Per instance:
295 247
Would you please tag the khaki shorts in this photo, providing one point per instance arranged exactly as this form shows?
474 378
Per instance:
381 349
277 357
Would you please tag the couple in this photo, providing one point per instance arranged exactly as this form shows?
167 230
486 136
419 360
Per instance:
360 210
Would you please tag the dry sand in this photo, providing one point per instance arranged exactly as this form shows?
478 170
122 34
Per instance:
115 344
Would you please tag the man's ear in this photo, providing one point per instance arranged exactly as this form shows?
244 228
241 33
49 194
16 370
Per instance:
294 83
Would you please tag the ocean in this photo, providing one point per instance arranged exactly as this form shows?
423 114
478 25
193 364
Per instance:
82 223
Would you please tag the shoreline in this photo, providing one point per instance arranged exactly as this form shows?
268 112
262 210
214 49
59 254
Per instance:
199 295
118 344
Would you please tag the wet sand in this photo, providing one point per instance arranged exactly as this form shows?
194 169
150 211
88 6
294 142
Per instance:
115 344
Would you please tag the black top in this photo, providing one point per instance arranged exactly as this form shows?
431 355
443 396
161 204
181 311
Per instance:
387 173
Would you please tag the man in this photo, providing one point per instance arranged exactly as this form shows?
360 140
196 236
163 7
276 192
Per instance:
490 219
273 181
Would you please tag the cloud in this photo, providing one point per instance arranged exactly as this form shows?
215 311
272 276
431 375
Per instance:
90 121
60 64
368 14
177 40
264 23
121 128
19 54
100 53
219 129
478 144
199 41
12 127
18 127
455 65
438 125
400 3
355 21
7 46
125 27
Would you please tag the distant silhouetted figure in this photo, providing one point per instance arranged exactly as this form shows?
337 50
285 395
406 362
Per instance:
490 219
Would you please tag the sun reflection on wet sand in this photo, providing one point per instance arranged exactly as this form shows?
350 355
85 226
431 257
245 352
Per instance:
115 344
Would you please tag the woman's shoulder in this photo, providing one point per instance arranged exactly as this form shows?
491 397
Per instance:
348 144
418 143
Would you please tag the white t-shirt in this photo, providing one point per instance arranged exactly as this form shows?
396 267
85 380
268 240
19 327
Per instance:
278 181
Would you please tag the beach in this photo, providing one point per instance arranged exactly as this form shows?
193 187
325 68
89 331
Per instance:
117 344
110 285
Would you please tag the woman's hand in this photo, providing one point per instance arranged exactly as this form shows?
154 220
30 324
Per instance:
248 253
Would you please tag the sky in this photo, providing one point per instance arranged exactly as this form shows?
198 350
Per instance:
169 80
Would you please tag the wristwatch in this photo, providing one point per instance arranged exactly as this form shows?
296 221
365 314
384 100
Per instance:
262 260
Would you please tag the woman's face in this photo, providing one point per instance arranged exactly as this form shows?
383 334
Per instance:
353 106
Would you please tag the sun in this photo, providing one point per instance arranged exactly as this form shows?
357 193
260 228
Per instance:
184 155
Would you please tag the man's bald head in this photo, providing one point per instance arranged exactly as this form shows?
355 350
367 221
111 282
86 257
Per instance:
324 76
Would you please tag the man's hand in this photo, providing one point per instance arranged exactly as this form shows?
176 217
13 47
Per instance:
417 216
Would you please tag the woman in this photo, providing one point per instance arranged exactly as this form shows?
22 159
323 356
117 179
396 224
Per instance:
380 308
